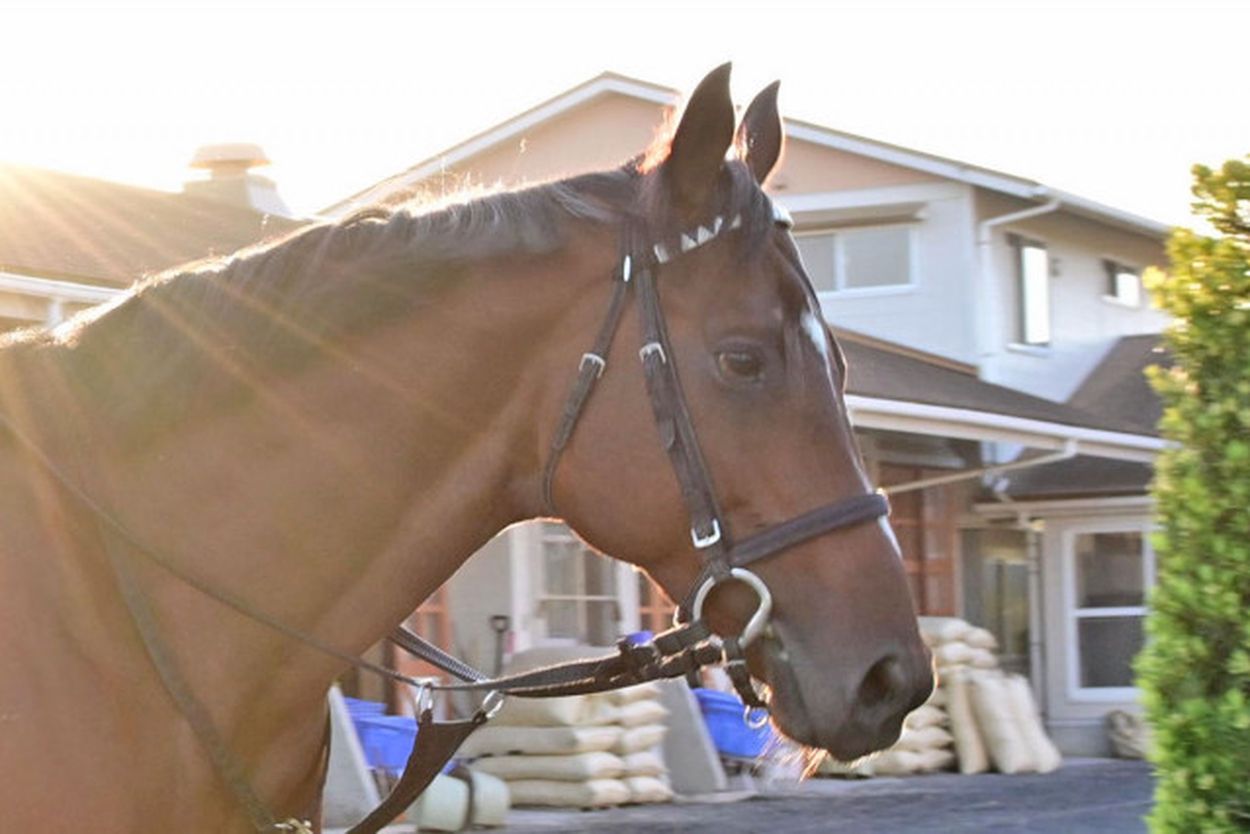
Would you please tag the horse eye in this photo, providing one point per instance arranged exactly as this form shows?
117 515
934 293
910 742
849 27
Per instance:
740 365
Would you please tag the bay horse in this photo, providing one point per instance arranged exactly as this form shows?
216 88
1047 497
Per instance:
328 426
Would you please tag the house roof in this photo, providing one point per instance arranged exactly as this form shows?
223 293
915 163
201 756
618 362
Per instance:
610 83
63 226
883 370
1115 390
1118 389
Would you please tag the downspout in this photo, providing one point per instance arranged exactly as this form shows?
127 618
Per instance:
985 263
1037 667
1037 646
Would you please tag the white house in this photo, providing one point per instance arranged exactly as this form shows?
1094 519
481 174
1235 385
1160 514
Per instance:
996 332
975 307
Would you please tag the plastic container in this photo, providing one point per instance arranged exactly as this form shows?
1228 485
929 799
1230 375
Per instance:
358 706
387 739
724 715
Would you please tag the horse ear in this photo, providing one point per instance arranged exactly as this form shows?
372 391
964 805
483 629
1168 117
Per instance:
703 136
760 137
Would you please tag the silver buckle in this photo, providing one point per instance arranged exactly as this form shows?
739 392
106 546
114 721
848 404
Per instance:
492 703
759 620
703 542
422 697
650 348
627 269
594 359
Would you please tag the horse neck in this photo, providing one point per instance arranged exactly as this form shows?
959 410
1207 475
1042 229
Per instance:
347 493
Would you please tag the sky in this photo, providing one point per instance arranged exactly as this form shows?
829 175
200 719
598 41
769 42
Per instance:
1112 101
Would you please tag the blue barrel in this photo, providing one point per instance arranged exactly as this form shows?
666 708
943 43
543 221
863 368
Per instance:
387 739
724 715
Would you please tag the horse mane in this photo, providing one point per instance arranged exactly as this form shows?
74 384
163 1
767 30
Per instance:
191 341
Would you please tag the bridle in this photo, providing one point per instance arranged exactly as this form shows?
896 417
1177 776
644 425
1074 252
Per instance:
682 650
724 559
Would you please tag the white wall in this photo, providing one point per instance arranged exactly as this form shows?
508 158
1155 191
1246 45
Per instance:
1084 323
481 588
936 313
952 312
506 577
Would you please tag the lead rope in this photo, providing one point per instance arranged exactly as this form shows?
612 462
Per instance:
229 769
227 765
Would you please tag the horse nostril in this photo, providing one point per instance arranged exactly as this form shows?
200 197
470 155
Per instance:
882 683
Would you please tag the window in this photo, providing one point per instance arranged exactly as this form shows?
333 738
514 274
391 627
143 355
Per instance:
655 610
868 258
1110 574
995 581
578 600
1033 293
1123 284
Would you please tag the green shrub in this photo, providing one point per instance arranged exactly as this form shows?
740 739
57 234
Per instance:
1195 671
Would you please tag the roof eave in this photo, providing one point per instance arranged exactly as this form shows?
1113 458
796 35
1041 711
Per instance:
968 424
601 85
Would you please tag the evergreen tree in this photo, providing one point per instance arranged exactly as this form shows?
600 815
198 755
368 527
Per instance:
1195 670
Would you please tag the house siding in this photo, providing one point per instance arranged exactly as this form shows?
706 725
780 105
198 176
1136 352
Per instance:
1084 325
937 313
574 142
807 167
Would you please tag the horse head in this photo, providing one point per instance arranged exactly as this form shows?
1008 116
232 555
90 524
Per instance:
762 379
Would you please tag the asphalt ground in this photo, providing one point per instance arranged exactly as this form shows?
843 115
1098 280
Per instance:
1085 796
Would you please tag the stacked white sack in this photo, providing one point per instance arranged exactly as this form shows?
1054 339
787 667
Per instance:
642 719
925 746
993 718
582 751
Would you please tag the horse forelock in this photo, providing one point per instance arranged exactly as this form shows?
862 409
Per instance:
737 195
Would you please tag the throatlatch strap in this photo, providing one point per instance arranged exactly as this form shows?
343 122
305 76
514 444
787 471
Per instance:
229 768
589 368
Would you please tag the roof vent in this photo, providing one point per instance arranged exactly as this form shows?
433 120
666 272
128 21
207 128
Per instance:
231 179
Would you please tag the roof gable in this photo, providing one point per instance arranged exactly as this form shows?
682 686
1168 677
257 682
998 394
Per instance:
1117 389
922 166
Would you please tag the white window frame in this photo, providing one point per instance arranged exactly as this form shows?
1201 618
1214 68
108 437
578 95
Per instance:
1021 336
839 259
625 598
1113 268
1073 615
